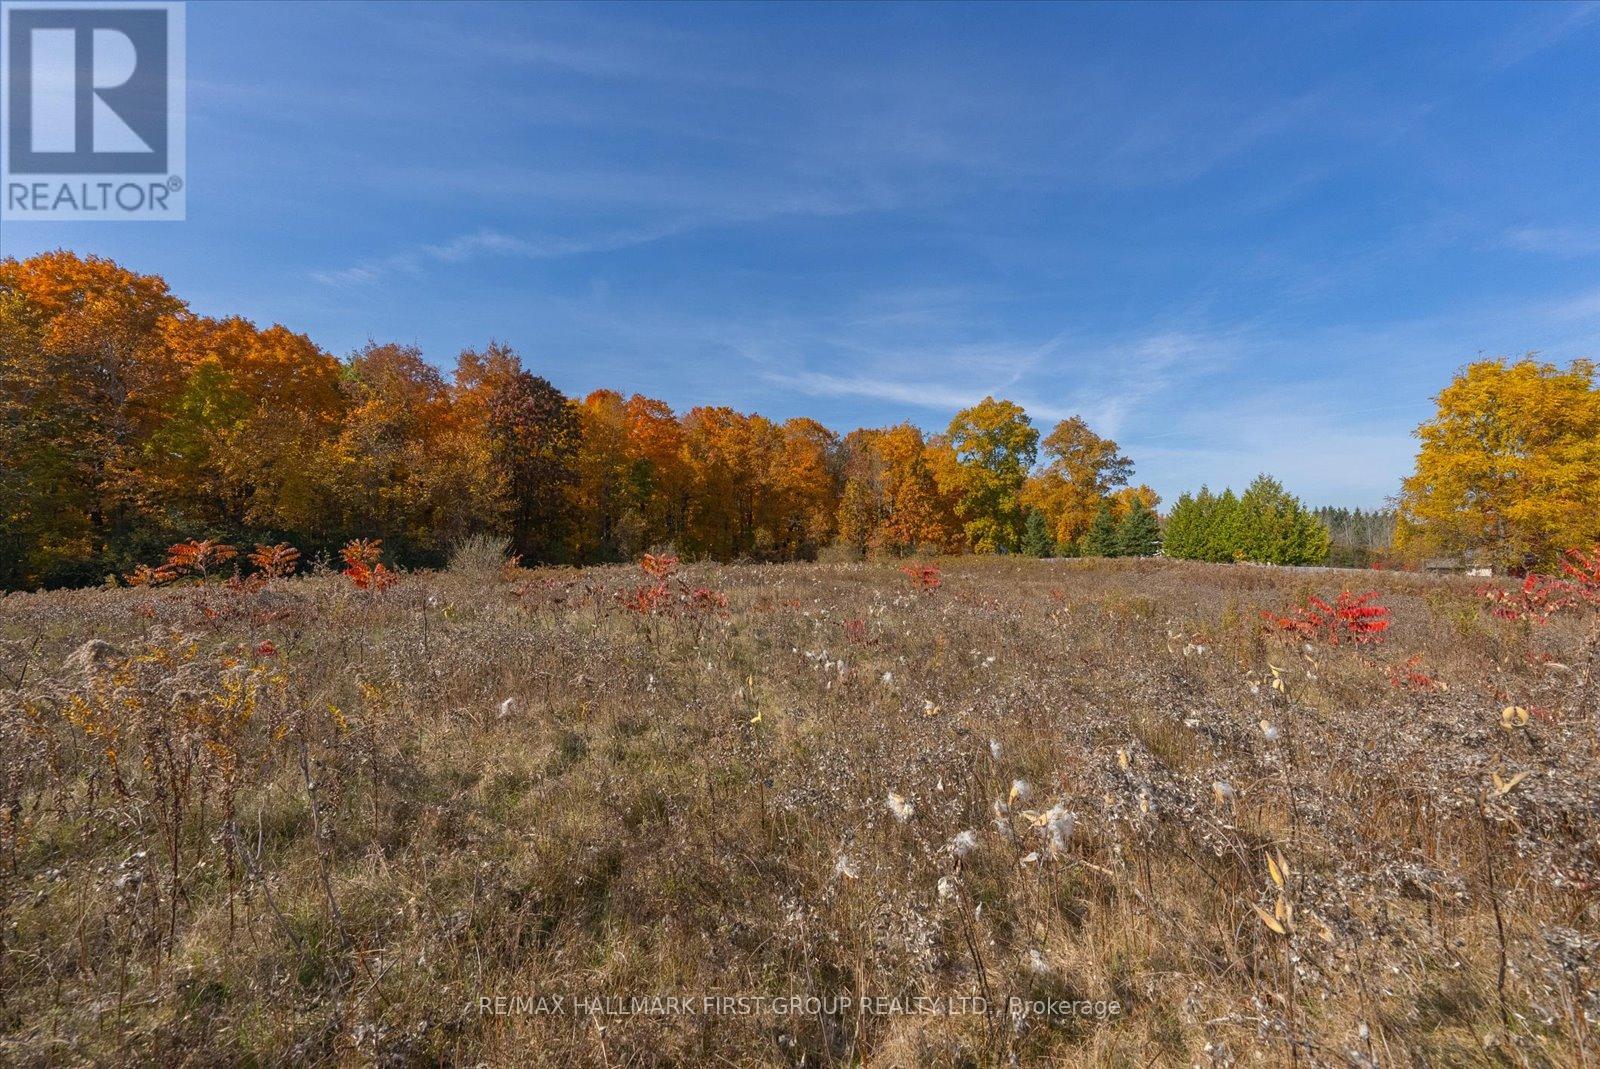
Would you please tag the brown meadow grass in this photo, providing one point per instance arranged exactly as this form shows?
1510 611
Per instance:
313 824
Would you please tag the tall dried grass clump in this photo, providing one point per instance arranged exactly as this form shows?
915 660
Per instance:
479 556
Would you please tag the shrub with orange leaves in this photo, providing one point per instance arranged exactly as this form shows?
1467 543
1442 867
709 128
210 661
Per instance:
663 566
1535 600
1351 617
924 578
368 551
195 556
1582 570
363 564
644 600
144 575
377 577
658 596
199 556
276 561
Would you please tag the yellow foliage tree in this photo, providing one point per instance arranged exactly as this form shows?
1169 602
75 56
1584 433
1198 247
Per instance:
996 444
1082 471
605 483
1122 501
1509 467
248 407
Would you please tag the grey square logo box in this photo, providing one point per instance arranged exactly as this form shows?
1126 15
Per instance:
92 99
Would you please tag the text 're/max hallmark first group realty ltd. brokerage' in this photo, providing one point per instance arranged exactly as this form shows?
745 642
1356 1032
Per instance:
583 1004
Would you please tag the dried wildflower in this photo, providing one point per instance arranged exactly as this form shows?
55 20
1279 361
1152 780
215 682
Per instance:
1002 817
1021 791
994 749
1058 824
1504 787
1272 920
845 868
964 843
901 808
1269 730
1513 717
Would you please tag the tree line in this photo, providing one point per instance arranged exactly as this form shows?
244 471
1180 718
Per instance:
128 422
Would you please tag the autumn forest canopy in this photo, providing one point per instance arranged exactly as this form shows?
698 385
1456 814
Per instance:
129 423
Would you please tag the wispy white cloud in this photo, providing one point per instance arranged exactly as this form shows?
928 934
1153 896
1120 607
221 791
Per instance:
701 211
1579 307
1112 383
1570 242
938 375
928 395
1547 25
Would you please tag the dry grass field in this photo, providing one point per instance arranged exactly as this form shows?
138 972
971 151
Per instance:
1101 801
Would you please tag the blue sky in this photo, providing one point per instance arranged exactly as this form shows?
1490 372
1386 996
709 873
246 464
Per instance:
1235 238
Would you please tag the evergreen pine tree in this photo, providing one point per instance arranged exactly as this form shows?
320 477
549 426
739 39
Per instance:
1036 541
1268 525
1139 533
1100 540
1181 537
1309 540
1220 540
1275 528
